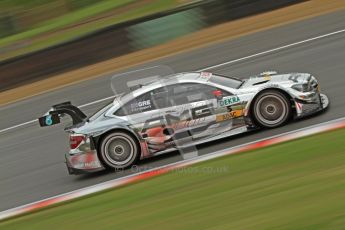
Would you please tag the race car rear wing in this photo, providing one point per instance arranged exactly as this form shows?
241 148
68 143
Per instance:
54 114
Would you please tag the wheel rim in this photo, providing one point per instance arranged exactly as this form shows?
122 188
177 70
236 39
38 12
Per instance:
119 150
271 109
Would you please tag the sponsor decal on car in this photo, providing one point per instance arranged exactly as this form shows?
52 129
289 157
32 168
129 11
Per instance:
205 75
228 116
88 160
141 105
226 101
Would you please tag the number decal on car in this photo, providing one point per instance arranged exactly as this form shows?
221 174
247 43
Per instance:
49 120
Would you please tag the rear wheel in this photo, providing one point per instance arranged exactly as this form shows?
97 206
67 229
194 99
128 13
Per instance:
119 150
271 109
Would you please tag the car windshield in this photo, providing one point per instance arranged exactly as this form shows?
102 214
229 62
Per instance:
231 82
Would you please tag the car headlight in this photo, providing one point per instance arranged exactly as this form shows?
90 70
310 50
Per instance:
301 87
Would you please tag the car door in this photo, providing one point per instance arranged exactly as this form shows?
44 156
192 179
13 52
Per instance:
145 117
207 110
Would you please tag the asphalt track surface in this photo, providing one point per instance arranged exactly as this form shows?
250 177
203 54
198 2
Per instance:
31 158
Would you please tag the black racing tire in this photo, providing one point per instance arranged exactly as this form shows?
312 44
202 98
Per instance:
271 109
119 150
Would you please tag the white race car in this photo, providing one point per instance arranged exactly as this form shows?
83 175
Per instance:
184 110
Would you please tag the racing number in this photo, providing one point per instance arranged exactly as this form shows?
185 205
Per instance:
49 120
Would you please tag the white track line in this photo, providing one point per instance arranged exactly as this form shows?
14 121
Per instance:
275 49
95 102
17 126
206 68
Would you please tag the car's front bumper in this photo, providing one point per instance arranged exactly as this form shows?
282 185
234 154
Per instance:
311 106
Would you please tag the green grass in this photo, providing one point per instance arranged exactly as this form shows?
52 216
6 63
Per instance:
295 185
34 35
66 19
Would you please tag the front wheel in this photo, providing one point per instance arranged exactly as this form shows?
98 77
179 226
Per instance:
271 109
119 150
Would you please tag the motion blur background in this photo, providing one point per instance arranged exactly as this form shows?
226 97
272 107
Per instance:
41 38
